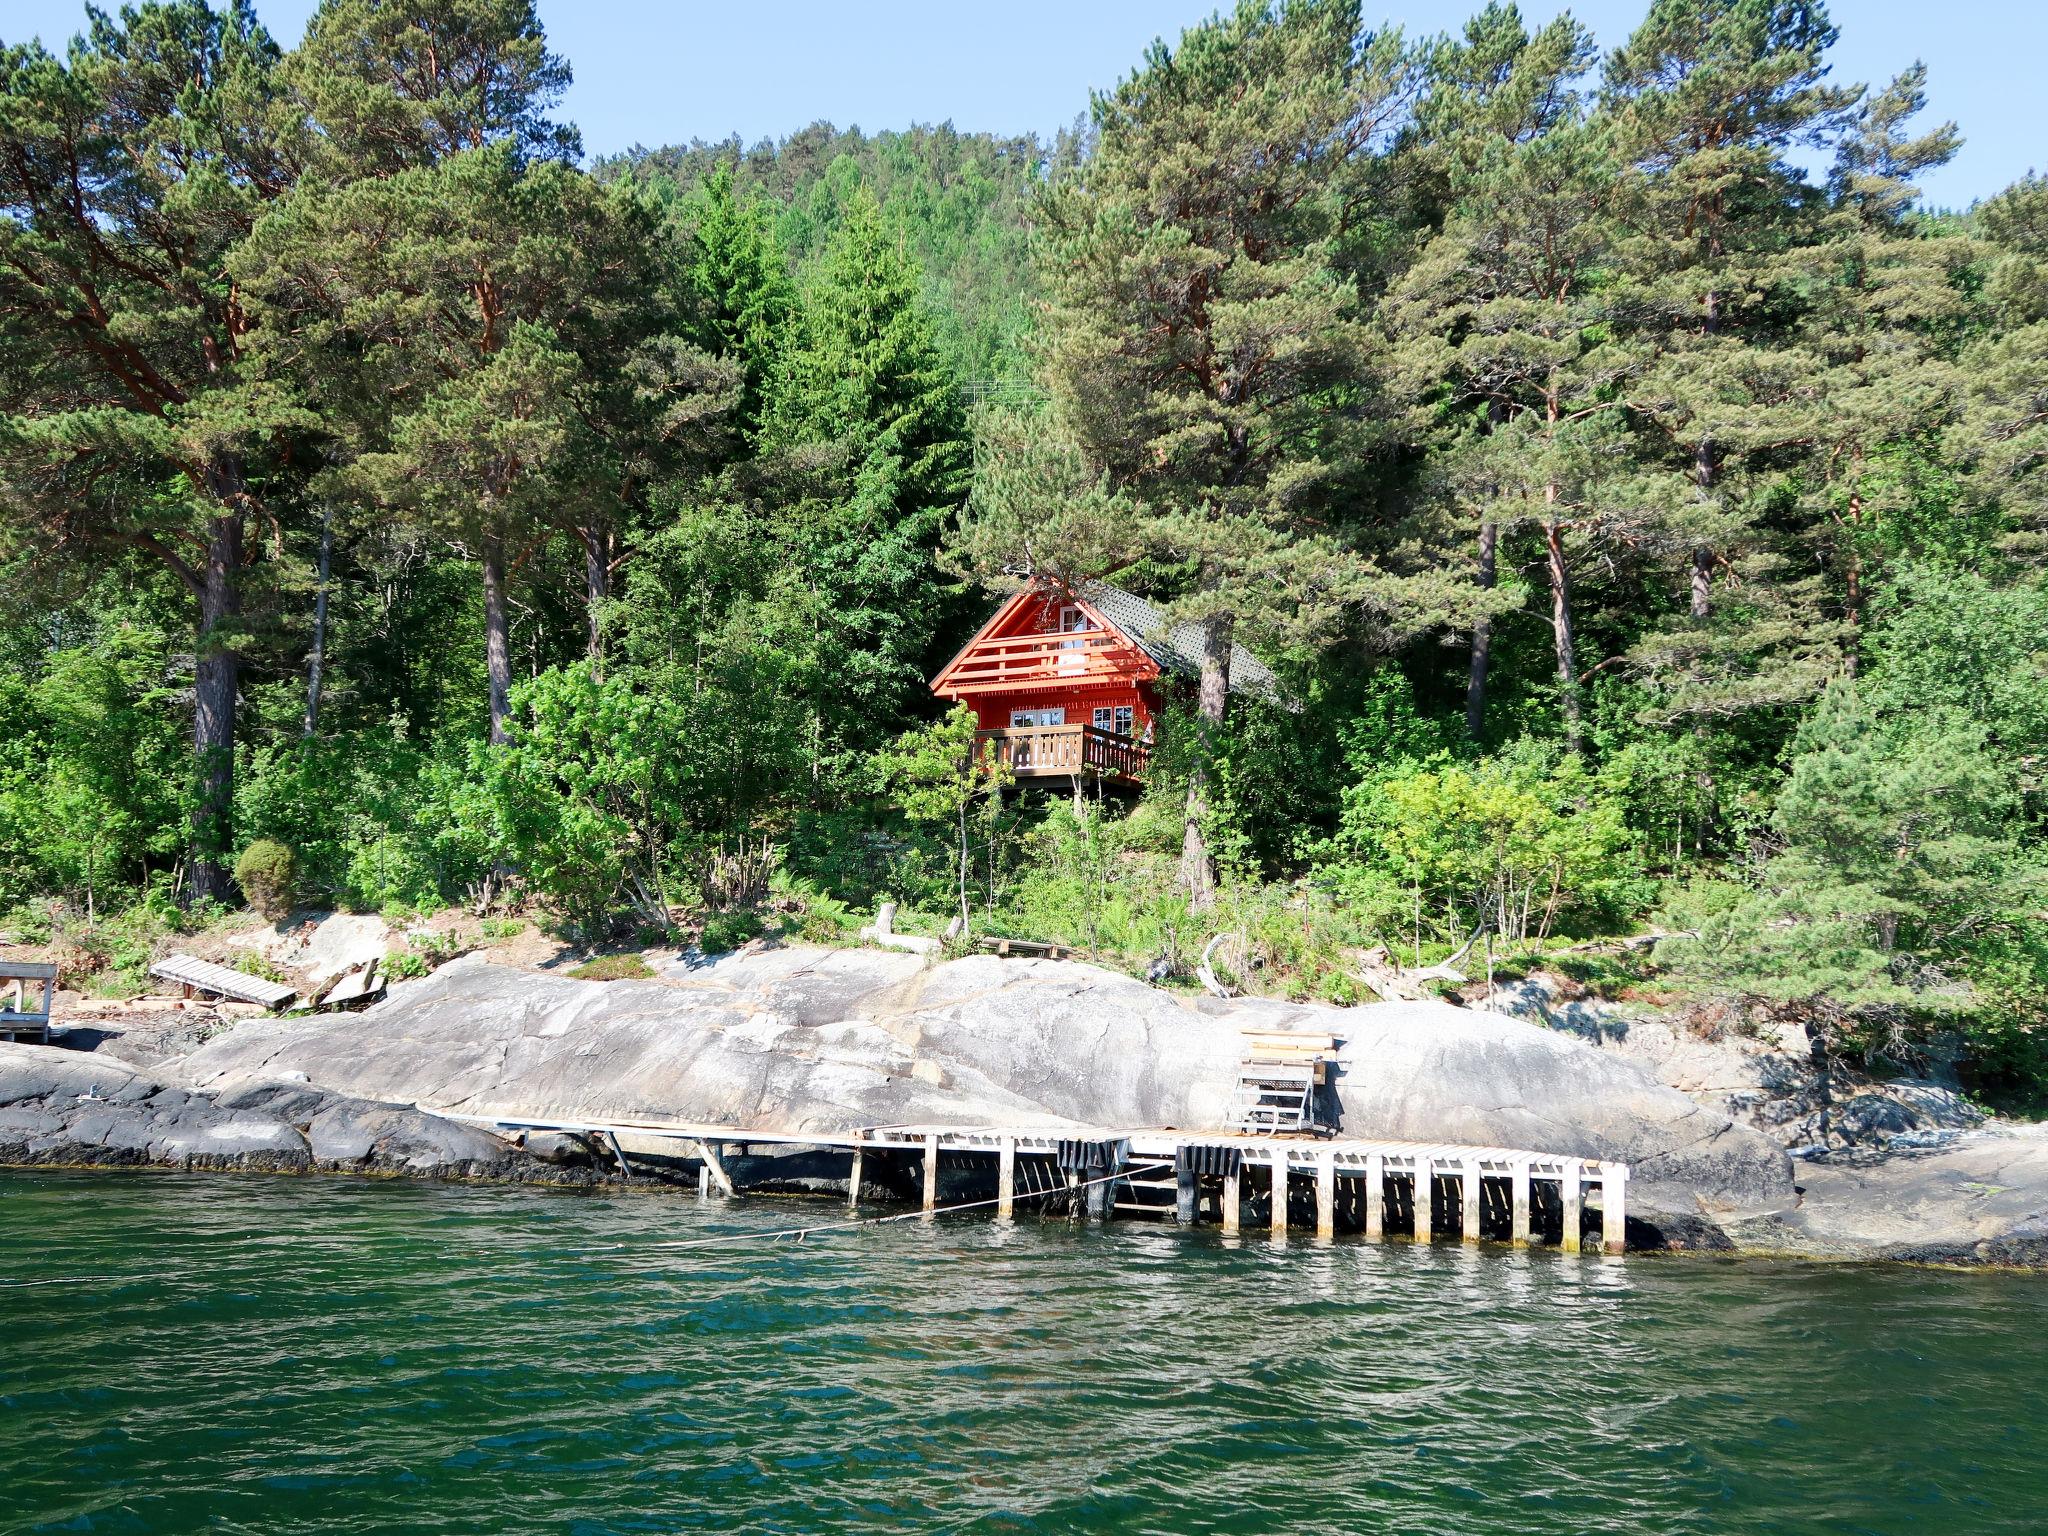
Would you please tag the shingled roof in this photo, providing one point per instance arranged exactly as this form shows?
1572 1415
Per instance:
1177 647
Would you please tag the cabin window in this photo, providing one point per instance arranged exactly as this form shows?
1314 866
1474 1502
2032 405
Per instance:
1072 619
1025 719
1116 718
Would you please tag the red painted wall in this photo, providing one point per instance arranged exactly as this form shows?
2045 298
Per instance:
1079 700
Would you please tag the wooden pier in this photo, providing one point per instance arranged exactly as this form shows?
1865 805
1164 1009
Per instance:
1381 1189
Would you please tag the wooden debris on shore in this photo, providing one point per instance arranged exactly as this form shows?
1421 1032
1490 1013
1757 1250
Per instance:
202 978
1028 949
353 989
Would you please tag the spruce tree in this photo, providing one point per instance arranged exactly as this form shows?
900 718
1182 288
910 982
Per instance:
867 456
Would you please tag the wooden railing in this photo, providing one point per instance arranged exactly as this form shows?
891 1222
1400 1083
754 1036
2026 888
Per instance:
1067 749
995 664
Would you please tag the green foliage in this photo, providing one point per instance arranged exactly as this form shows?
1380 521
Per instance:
942 775
588 794
1902 857
267 872
1521 844
1619 500
404 965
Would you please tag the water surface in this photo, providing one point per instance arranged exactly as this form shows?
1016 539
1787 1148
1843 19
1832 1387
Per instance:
296 1355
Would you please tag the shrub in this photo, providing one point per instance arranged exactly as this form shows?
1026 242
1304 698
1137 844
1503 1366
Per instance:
267 875
724 932
403 965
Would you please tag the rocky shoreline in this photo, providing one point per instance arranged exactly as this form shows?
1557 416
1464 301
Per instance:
63 1109
807 1039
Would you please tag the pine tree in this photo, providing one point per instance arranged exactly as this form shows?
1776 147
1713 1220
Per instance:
479 303
129 422
1708 97
1205 340
1506 308
2002 438
1491 96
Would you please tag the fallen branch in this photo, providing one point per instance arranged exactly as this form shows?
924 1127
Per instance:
1206 975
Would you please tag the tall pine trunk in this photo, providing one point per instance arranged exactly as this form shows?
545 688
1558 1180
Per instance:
316 659
217 675
1197 866
597 585
1561 627
497 635
1482 638
1703 466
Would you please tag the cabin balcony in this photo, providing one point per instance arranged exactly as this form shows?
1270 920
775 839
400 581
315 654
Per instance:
1068 751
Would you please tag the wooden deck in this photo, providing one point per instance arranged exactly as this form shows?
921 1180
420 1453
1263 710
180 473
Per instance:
1068 751
1379 1186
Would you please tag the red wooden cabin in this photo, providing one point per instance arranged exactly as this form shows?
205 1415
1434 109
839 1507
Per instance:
1069 685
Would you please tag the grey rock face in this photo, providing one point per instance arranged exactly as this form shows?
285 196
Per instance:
1981 1199
63 1108
821 1040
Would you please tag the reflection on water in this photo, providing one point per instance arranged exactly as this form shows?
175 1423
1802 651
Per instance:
321 1355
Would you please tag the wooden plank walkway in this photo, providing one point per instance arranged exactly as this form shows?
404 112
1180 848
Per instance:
1380 1175
196 975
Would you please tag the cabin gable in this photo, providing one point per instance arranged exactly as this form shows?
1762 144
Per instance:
1043 643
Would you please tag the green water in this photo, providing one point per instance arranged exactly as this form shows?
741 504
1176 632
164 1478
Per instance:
277 1355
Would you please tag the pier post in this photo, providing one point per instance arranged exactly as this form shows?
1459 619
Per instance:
1102 1184
1468 1199
853 1177
1326 1195
1279 1155
703 1179
1375 1195
1425 1198
1614 1207
931 1173
1233 1204
1006 1179
1520 1234
1569 1192
1187 1186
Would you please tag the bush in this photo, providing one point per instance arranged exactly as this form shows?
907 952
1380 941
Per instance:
403 965
267 874
724 932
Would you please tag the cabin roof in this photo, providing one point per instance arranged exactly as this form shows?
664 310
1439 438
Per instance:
1177 647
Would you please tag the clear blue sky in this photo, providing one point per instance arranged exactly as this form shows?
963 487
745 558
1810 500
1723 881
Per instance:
666 71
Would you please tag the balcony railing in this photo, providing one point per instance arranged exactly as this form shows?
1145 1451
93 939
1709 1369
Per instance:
1032 750
993 665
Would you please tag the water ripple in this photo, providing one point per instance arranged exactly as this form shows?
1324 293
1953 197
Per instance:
295 1356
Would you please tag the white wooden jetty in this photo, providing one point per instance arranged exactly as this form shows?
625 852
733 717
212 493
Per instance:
1379 1188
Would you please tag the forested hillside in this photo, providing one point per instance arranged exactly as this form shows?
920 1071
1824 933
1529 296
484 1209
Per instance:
1648 530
